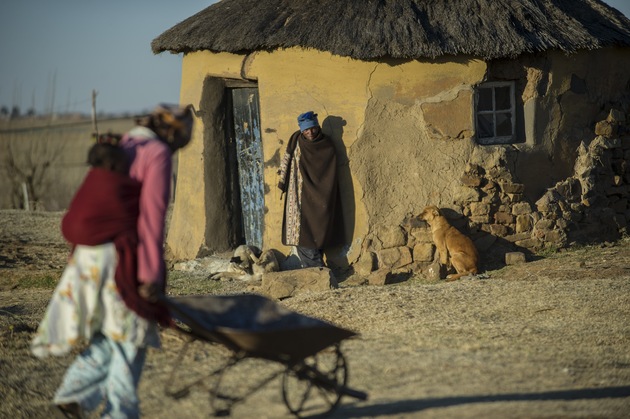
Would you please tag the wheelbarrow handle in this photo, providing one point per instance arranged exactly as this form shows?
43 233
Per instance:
357 394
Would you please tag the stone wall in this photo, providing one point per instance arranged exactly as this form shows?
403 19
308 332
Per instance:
590 206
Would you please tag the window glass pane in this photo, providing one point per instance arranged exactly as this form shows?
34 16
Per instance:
504 124
484 97
502 98
485 126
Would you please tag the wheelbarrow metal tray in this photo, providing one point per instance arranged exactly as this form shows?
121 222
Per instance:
256 325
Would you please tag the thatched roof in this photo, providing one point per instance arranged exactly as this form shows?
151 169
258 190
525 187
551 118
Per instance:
410 29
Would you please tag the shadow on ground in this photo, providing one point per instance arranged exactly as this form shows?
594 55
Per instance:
411 406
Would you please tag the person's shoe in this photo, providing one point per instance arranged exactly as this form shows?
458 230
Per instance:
70 410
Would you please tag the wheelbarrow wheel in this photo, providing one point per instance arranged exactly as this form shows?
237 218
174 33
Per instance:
315 381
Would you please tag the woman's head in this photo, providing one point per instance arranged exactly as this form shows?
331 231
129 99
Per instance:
171 123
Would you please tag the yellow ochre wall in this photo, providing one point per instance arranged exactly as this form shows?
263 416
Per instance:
296 80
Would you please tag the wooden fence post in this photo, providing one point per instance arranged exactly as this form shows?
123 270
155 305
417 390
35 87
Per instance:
27 204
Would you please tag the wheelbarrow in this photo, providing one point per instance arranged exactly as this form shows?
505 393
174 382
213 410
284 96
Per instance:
314 370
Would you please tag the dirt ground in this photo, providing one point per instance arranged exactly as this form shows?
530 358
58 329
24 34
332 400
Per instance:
545 339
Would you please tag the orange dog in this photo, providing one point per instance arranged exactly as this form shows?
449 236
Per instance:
454 248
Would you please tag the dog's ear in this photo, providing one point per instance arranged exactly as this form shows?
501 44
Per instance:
436 211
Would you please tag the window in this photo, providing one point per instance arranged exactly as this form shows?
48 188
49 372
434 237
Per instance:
495 113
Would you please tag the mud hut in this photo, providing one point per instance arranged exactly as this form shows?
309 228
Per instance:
478 106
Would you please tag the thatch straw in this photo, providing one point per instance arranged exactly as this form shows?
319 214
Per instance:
409 29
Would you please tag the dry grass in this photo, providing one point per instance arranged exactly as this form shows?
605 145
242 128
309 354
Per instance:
548 338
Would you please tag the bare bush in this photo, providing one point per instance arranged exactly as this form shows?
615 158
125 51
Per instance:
27 165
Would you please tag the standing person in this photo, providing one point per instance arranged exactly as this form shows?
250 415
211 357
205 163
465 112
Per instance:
108 293
308 176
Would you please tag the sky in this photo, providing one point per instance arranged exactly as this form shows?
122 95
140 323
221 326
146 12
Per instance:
54 53
57 51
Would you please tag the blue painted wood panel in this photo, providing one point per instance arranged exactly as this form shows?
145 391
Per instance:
250 162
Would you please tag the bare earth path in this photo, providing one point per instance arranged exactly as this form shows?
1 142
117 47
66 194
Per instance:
546 339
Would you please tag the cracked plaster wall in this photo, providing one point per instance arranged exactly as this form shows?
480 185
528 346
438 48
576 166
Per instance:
416 138
404 129
563 96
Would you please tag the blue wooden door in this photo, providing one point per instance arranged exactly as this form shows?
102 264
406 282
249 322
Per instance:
250 162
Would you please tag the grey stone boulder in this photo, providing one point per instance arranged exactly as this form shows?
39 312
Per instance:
286 284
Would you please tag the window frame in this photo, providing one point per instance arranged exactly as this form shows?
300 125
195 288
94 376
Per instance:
496 139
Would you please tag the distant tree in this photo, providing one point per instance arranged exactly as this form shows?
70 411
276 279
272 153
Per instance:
30 112
27 163
4 111
15 112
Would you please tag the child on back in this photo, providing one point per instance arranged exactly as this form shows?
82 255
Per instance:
108 156
106 204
